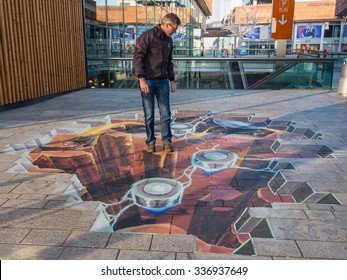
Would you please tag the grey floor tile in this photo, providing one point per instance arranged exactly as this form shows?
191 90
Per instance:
46 237
173 243
88 239
323 250
131 241
145 255
27 252
271 247
74 253
13 235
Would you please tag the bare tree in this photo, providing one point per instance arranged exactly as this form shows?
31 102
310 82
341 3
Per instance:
240 22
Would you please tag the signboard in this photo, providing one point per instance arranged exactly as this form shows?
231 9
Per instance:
282 19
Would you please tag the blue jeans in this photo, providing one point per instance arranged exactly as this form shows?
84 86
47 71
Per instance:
161 90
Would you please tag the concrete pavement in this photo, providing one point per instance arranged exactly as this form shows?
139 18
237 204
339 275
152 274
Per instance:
41 217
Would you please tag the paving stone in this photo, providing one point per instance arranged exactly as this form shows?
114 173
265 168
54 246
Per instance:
11 158
173 243
83 206
29 196
341 216
340 208
199 256
57 197
5 177
145 255
87 239
131 241
313 176
47 219
271 247
23 203
74 253
9 195
264 212
281 205
46 237
40 188
27 252
4 166
292 229
322 207
342 197
12 235
3 201
320 215
6 187
323 250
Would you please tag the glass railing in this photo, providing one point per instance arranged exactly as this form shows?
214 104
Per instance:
222 73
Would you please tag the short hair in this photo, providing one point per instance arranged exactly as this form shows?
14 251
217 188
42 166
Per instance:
171 18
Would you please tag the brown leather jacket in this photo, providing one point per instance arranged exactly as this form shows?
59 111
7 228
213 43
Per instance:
153 55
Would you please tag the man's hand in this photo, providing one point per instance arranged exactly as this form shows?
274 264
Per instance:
143 85
173 86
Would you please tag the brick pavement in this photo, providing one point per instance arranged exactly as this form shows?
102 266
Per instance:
37 220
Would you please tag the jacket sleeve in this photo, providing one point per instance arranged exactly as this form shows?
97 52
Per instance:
170 66
141 47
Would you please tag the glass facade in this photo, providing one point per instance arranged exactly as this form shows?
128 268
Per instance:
112 26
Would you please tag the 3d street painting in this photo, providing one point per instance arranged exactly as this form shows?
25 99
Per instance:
223 166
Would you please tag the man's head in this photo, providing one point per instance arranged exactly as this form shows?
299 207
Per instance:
170 23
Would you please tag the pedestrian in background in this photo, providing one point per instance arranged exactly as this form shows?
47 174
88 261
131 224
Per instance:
155 72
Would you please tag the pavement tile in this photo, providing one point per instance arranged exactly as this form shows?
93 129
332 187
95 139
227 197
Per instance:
24 203
57 197
341 208
295 206
87 239
198 256
28 252
323 250
173 243
271 247
9 195
39 188
30 196
47 219
13 235
75 253
131 241
322 207
3 201
320 215
341 216
6 187
264 212
83 205
145 255
46 237
4 166
5 177
315 230
342 197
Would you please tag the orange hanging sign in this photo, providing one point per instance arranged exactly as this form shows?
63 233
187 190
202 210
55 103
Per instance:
282 19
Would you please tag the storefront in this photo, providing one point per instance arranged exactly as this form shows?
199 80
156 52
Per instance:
112 26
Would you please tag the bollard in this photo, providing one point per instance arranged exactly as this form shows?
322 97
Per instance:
342 89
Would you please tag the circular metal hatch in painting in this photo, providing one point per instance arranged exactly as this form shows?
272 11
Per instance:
157 195
211 161
182 129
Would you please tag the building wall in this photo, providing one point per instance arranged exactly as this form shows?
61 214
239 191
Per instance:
341 7
304 12
41 50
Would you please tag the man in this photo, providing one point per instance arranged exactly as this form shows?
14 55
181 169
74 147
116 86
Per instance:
154 69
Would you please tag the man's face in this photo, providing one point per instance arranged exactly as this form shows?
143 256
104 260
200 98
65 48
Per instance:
169 28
